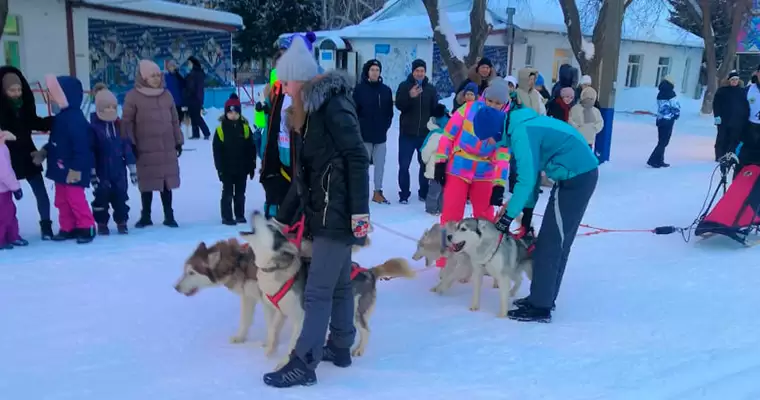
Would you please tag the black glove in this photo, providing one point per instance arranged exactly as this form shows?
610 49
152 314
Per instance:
497 196
18 194
440 173
179 150
503 223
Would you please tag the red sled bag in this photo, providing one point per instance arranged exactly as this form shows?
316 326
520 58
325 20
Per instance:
738 211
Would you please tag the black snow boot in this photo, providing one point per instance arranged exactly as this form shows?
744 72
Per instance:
103 230
146 198
85 235
122 228
46 229
294 373
525 303
166 201
63 236
339 357
528 313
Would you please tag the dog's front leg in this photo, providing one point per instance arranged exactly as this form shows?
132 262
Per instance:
477 278
247 308
504 295
275 320
448 278
297 319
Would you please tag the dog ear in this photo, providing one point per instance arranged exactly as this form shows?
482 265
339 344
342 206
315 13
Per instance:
213 258
201 249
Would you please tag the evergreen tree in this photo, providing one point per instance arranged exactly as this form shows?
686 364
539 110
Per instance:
682 14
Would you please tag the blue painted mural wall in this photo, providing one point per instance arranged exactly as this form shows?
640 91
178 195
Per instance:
441 79
116 48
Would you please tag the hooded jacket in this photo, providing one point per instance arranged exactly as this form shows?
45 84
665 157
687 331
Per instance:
731 106
529 98
69 146
541 143
175 84
474 77
374 106
195 83
112 152
415 112
431 143
566 77
585 117
668 108
234 151
331 181
21 121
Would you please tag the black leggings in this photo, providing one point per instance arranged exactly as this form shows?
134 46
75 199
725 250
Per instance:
37 183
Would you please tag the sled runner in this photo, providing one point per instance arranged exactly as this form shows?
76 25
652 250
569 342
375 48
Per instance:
737 213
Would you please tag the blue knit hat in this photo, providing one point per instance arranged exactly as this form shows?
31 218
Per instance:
471 87
489 123
308 37
540 80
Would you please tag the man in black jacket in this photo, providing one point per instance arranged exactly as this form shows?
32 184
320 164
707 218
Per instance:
195 83
416 98
374 107
731 111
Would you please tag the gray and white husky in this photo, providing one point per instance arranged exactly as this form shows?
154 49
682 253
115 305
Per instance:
282 278
501 255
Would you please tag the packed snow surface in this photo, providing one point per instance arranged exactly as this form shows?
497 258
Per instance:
639 316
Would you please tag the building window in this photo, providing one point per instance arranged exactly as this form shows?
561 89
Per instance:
12 26
633 72
529 55
11 45
561 57
685 79
663 69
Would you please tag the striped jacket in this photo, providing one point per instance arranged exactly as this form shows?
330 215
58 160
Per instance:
471 158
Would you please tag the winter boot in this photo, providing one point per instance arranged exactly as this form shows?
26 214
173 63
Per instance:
339 357
239 208
103 230
378 197
294 373
226 210
241 220
64 235
528 313
46 229
85 235
521 303
146 198
166 201
20 243
6 246
122 228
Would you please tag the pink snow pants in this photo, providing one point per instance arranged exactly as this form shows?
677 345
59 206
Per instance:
73 210
8 221
455 194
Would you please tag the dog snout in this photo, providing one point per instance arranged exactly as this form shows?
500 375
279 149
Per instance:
176 287
450 237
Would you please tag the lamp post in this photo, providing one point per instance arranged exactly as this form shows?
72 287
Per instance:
510 36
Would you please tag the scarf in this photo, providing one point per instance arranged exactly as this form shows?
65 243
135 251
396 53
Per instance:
589 116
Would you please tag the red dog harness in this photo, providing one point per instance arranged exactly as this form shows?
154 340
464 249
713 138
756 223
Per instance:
275 298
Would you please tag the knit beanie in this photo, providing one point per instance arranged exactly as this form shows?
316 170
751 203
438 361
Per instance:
539 80
511 79
733 74
104 99
497 90
297 63
566 92
471 87
585 80
232 104
10 79
485 61
419 63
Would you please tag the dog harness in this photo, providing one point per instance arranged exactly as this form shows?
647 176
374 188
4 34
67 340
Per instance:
275 298
356 269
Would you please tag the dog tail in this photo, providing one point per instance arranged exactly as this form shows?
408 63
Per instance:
393 268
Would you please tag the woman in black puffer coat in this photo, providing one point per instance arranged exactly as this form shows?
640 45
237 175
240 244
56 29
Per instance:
331 186
731 109
18 114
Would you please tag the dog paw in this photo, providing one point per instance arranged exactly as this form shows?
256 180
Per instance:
495 285
237 339
357 352
474 308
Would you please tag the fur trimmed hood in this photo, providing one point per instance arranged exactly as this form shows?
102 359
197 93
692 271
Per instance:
474 76
320 89
725 82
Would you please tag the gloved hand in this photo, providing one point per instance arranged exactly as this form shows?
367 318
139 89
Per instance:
717 121
18 194
73 176
179 150
360 225
440 173
94 180
503 223
132 173
38 157
497 196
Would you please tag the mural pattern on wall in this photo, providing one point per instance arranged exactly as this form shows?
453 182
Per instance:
442 80
396 61
116 48
749 37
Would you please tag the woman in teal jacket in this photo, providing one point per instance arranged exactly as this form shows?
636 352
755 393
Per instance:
541 143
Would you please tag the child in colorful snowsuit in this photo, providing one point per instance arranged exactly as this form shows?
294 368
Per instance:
9 188
439 119
113 158
471 159
70 159
234 159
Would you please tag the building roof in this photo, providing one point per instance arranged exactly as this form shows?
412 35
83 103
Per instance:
408 19
169 9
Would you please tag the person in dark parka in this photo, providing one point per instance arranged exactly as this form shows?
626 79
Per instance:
331 186
416 98
195 83
567 77
374 107
731 109
175 84
234 159
668 111
18 115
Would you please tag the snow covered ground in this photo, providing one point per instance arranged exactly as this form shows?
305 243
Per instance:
639 316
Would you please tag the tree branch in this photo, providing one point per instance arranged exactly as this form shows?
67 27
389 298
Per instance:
574 31
479 31
455 66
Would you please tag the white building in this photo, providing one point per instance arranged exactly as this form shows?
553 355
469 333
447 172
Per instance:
102 40
401 32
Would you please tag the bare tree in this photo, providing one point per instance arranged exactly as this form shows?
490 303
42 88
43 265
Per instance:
341 13
444 37
3 15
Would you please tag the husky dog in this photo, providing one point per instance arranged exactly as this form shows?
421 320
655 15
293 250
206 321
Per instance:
226 263
434 244
501 255
282 277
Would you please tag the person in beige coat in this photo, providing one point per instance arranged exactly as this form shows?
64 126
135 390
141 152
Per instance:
150 120
527 95
585 117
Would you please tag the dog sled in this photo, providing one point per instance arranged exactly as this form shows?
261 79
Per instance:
737 213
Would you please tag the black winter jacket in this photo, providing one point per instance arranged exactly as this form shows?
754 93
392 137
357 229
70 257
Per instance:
567 77
234 151
195 83
331 180
21 122
730 104
374 106
415 112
